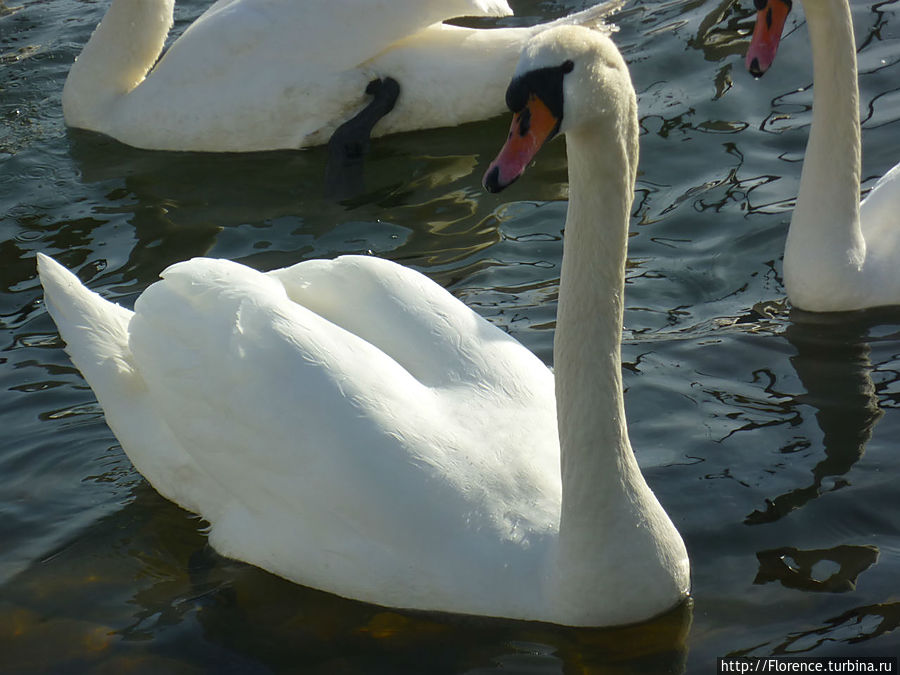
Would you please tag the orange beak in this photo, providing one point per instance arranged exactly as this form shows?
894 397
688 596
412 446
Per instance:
766 35
531 127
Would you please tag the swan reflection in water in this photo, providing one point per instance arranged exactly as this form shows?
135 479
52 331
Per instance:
834 364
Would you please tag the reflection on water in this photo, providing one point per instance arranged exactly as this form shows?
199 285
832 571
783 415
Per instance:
852 627
180 205
855 626
833 364
798 569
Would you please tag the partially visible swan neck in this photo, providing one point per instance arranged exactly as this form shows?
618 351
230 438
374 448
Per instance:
827 210
116 59
609 517
587 352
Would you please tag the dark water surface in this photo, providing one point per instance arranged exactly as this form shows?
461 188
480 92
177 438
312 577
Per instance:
772 437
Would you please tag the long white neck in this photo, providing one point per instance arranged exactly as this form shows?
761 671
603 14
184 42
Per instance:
825 230
587 353
118 56
609 517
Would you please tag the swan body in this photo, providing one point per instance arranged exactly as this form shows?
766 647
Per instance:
840 254
351 426
253 75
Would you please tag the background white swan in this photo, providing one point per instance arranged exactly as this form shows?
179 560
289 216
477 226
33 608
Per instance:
840 254
351 426
273 74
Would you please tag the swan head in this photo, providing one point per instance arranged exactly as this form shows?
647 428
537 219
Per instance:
568 78
771 16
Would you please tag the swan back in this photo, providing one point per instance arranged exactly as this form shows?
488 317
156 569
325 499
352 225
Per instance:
312 451
252 75
247 74
308 35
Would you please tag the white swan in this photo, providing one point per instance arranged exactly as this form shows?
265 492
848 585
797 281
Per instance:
840 254
273 74
351 426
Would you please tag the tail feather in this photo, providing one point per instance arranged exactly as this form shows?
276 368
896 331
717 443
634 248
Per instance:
493 7
96 335
95 330
592 17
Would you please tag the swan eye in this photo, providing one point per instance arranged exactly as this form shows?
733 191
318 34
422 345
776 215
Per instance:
545 83
517 94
